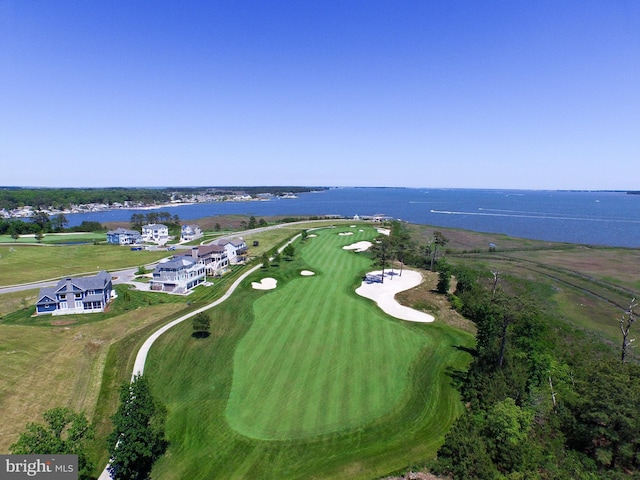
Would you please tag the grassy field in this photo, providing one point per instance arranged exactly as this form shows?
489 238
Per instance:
81 364
593 285
307 380
26 263
56 238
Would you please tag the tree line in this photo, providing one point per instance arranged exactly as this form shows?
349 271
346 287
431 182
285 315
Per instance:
62 198
544 399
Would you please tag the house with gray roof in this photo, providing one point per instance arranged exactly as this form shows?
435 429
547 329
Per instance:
235 249
155 233
76 295
123 236
190 232
214 257
178 275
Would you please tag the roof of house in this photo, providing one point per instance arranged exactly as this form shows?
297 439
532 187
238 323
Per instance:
121 231
236 242
155 225
183 261
70 284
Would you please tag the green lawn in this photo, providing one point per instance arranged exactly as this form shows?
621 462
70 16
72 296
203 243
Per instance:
307 380
25 263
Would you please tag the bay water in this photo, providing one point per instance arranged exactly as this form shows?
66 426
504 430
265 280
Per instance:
583 217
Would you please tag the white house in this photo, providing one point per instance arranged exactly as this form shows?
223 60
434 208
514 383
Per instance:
178 276
214 257
190 232
155 233
235 248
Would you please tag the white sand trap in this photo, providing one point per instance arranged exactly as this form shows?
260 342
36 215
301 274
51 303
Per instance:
312 235
307 273
384 294
265 284
345 233
352 226
384 231
358 247
361 230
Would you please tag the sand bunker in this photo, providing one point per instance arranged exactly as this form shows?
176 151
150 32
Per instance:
345 233
358 247
384 231
312 235
265 284
383 293
307 273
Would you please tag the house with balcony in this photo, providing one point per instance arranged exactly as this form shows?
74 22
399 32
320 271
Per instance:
123 236
76 295
155 233
235 249
179 275
190 232
214 257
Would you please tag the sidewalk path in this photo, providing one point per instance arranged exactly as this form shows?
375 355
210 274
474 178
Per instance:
141 358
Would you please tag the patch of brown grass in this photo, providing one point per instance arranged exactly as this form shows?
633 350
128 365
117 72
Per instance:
45 367
424 298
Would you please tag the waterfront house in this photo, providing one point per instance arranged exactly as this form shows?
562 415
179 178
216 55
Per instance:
178 275
155 233
235 249
123 236
214 258
190 232
76 295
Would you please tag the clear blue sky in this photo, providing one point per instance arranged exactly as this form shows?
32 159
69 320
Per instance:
487 94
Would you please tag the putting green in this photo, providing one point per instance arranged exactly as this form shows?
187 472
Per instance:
317 359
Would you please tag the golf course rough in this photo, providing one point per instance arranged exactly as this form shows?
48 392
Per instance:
318 359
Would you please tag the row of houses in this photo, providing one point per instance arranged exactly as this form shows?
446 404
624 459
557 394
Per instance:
151 233
178 275
184 272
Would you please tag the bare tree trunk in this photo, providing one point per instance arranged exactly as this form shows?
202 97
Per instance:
625 328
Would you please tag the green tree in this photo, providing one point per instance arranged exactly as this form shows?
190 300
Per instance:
439 241
444 278
65 432
137 439
253 223
381 252
217 227
15 235
289 251
41 219
201 325
265 260
39 236
59 223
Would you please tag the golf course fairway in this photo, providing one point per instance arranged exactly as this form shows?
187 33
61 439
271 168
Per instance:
307 380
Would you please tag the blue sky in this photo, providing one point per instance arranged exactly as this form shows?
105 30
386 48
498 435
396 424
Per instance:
496 94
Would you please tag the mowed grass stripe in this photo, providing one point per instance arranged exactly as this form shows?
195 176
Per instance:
312 398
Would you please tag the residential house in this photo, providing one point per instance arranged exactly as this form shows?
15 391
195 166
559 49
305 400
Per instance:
178 275
123 236
214 257
155 233
235 249
190 232
76 295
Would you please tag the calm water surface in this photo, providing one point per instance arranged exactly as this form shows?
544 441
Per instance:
595 218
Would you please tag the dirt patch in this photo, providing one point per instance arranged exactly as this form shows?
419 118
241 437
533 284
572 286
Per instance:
57 323
424 298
